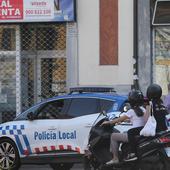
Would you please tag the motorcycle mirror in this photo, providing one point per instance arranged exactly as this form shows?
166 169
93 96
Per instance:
104 113
126 107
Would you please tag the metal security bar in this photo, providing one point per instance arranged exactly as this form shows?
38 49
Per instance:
32 65
7 72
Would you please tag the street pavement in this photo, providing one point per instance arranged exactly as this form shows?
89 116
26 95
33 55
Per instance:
46 167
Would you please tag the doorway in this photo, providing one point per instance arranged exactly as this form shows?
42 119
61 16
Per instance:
43 62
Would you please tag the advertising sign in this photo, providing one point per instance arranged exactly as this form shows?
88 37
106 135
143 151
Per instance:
37 10
11 9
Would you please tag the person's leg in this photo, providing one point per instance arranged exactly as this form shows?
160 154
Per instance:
114 143
115 139
132 133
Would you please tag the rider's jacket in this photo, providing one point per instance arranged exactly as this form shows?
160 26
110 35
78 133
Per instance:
160 112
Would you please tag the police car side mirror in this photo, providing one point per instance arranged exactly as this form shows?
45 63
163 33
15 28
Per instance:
30 116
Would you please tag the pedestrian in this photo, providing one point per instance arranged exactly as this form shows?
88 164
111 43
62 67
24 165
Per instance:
136 115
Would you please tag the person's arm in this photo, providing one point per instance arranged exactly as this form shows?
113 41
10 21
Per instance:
114 121
147 113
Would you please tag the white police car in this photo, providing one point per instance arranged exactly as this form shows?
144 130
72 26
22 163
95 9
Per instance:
55 131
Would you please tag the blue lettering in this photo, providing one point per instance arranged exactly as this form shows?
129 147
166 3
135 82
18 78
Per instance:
53 136
40 136
64 136
48 136
35 135
59 135
45 135
67 135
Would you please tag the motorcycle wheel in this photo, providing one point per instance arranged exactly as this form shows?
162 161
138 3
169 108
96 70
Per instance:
61 166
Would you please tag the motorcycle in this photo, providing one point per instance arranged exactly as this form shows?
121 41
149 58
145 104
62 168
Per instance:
153 152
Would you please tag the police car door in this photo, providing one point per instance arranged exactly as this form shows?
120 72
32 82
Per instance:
43 132
83 112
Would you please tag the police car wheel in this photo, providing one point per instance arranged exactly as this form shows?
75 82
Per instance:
9 156
61 166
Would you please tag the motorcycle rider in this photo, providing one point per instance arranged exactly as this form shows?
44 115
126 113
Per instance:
137 116
154 93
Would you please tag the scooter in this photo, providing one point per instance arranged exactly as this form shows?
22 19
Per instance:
153 152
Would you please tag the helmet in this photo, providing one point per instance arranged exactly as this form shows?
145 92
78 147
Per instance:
135 97
154 91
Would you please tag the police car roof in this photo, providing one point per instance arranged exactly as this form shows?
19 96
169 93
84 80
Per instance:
108 96
91 89
107 93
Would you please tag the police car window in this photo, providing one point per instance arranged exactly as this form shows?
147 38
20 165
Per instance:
52 110
23 116
108 106
83 106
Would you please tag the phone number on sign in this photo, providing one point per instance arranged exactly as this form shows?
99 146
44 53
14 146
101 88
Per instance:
38 12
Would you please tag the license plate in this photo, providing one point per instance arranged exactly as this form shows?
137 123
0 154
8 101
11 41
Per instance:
167 150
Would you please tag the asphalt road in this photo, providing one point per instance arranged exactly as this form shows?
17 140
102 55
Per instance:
46 167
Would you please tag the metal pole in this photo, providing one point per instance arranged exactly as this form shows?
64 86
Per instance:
135 46
18 71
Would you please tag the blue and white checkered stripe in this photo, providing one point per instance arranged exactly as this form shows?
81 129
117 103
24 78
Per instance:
12 130
17 131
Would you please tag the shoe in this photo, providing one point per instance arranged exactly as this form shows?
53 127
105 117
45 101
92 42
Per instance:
111 162
131 157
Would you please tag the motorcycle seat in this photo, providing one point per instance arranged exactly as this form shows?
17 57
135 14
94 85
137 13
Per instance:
141 139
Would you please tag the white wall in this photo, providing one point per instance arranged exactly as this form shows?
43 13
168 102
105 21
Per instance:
89 70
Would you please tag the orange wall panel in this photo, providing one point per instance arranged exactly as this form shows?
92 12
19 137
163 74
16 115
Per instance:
108 32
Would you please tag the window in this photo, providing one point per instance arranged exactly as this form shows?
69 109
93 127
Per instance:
53 110
108 106
23 116
161 13
83 106
7 39
43 37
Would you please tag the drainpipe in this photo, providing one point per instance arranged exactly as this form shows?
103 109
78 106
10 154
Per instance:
135 45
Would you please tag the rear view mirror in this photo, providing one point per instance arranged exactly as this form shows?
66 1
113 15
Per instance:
30 116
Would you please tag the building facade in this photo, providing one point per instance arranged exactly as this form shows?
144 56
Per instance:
33 61
153 43
105 43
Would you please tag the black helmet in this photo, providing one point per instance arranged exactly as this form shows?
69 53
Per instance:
135 97
154 91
